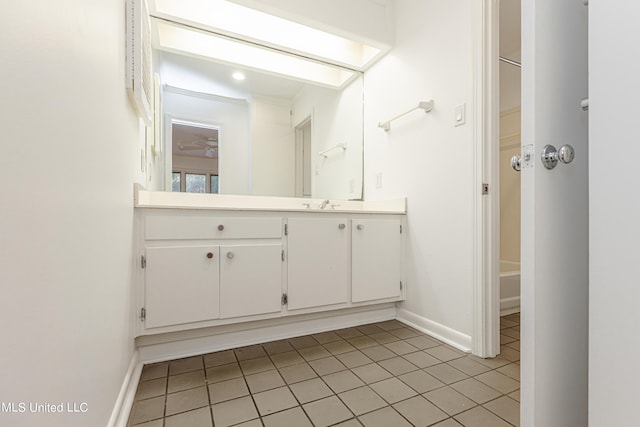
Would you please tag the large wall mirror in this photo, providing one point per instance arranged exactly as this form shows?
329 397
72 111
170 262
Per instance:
232 128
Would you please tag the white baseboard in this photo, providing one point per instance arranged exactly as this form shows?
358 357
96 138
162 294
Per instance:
153 349
509 305
443 333
122 408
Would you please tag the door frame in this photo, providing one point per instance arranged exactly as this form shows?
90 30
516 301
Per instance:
486 239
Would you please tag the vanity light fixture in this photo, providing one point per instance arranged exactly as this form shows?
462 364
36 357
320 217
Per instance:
232 19
238 75
182 39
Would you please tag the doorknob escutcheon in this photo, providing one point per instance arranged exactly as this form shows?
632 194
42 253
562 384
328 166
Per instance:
230 255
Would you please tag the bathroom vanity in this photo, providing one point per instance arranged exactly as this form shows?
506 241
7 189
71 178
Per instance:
211 260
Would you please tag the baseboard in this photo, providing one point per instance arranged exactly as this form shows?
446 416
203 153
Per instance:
509 306
152 349
443 333
122 408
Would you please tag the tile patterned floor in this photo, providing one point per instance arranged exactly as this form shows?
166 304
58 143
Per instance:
383 374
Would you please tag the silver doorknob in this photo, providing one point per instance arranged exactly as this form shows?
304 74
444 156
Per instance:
516 163
360 227
230 255
550 156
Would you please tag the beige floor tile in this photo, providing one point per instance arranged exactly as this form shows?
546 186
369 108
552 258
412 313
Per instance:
506 323
294 417
448 423
256 365
326 337
371 373
288 358
151 388
252 423
390 325
186 400
369 329
296 373
353 359
310 390
277 347
384 337
398 365
250 352
186 381
154 423
327 411
404 333
275 400
499 381
223 372
347 333
506 408
506 340
196 418
189 364
393 390
228 390
508 353
339 347
342 381
475 390
493 363
511 332
234 411
264 381
468 366
219 358
445 353
420 412
326 366
362 400
511 370
378 353
362 342
515 395
147 410
420 381
445 373
303 342
514 345
351 423
421 359
314 353
422 343
385 417
401 348
449 400
157 370
480 417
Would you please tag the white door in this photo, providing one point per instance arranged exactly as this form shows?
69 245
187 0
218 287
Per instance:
555 281
250 279
318 268
376 251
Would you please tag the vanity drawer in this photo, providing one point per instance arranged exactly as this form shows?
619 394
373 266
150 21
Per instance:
197 227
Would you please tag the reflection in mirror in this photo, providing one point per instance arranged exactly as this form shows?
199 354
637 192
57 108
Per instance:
265 135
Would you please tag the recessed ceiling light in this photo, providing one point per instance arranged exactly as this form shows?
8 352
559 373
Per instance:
238 76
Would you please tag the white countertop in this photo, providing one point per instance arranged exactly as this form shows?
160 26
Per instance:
169 200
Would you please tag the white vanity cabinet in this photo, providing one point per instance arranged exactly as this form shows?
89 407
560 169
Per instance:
318 265
376 264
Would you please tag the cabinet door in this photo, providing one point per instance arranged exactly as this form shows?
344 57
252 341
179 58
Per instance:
181 285
318 267
250 279
376 259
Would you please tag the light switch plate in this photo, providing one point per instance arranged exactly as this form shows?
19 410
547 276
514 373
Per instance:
459 115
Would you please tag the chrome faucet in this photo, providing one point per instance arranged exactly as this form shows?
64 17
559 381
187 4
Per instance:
324 204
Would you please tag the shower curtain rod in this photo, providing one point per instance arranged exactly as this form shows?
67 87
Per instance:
510 61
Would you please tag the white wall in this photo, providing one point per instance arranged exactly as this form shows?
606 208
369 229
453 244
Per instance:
426 158
614 208
232 116
71 149
336 118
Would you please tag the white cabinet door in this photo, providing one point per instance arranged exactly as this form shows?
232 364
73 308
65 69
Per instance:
181 285
250 279
318 267
376 259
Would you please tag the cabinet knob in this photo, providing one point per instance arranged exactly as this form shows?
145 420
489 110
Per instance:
209 255
341 226
230 255
221 227
360 227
